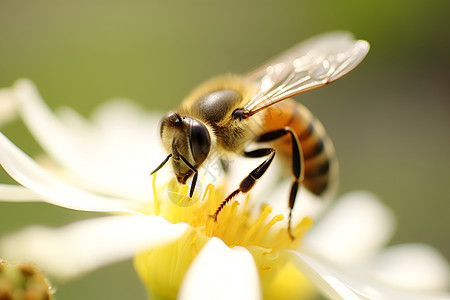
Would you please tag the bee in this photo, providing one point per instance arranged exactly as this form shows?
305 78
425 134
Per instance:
227 113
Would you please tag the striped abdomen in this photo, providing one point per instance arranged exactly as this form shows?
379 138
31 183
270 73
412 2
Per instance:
320 161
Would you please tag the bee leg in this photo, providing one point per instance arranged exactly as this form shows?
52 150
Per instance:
297 165
194 180
248 182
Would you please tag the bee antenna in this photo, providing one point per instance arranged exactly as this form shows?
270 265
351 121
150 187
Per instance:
162 164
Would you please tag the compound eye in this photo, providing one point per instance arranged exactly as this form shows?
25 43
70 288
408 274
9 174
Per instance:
200 141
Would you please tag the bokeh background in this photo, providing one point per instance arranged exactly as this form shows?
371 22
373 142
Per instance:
389 118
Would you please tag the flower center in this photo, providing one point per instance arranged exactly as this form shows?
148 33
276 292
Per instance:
238 224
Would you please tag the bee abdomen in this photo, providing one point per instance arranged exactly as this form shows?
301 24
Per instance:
318 154
320 163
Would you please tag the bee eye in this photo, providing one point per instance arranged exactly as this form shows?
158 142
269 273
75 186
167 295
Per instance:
199 140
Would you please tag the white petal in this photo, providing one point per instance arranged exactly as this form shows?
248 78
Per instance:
17 193
8 106
323 278
86 245
113 154
371 290
28 173
337 285
116 151
414 267
42 123
354 228
220 272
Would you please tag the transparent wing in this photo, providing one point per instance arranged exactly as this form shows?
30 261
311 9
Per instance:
311 64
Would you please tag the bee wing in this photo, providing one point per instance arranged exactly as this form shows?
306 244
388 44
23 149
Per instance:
308 65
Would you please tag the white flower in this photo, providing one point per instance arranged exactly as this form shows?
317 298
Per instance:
8 107
103 165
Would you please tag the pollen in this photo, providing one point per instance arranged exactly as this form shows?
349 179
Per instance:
240 223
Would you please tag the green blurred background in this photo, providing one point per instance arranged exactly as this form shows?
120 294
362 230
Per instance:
389 119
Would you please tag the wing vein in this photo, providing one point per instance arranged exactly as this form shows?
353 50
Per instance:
307 66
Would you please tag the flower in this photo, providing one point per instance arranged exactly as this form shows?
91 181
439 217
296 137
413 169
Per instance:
8 107
23 282
103 164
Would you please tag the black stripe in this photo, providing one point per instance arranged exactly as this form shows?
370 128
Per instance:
307 132
318 171
316 150
319 189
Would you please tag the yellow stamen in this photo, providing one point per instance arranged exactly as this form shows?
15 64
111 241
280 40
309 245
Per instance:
266 228
156 202
237 225
265 212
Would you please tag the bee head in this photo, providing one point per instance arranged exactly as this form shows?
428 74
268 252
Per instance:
188 141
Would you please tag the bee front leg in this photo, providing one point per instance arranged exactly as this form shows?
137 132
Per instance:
248 182
297 165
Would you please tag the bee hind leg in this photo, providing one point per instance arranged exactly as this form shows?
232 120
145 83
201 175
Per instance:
248 182
297 165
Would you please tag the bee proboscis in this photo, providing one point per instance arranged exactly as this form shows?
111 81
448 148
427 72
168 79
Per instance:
228 112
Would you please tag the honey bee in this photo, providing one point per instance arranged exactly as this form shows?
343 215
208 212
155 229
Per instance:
229 112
